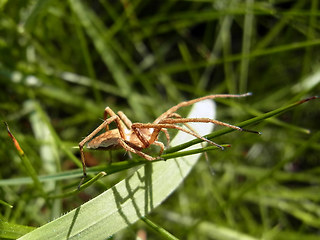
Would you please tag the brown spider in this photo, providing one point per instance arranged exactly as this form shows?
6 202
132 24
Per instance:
134 137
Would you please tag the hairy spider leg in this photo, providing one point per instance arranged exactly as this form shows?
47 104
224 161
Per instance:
105 124
121 126
160 144
205 120
125 119
190 102
158 126
136 151
88 138
176 115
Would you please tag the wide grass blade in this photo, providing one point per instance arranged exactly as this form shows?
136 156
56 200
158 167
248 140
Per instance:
13 231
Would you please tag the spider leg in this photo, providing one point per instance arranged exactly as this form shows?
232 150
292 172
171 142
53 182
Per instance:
154 134
176 115
121 126
190 102
158 126
136 151
125 119
204 120
87 139
161 145
103 125
145 142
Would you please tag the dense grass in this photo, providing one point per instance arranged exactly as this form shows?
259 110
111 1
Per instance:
63 62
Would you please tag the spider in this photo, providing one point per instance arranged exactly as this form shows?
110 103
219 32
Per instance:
134 137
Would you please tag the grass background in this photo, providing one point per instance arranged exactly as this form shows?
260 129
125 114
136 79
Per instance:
63 62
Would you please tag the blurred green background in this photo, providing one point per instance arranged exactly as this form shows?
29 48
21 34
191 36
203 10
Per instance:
63 62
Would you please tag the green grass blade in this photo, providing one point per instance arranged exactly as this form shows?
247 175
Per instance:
5 204
27 164
96 30
161 231
220 232
13 231
40 7
83 186
130 199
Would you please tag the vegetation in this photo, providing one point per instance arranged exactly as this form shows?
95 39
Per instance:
63 62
